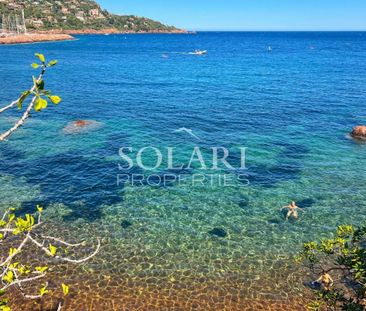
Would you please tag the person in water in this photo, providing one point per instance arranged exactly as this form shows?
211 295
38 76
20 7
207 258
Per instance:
292 210
325 280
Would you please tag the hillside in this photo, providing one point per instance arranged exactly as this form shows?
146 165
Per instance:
69 15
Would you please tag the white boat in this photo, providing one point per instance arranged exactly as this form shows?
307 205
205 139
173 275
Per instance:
199 52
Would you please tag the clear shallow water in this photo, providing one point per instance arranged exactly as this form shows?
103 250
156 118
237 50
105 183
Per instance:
292 108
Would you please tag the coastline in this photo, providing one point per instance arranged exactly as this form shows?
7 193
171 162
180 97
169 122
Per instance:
34 38
65 35
110 31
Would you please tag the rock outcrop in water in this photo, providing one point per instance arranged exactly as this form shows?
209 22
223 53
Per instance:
81 126
359 132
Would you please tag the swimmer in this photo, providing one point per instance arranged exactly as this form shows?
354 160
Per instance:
325 280
292 210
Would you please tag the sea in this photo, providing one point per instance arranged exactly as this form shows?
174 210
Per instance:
180 163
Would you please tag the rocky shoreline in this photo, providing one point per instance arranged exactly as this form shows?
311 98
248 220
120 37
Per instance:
63 35
34 38
112 31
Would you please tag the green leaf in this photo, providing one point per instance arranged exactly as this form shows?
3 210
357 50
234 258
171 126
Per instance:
24 224
35 66
4 305
12 251
9 277
43 290
23 98
65 289
40 84
14 265
53 250
55 99
52 63
39 208
41 269
40 104
41 57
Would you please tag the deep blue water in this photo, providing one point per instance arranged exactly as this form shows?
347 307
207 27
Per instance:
292 108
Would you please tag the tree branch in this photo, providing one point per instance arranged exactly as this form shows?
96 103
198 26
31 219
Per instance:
26 114
14 103
76 261
18 250
62 242
17 282
21 287
20 122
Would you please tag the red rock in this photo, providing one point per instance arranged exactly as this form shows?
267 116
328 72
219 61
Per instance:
359 132
81 123
81 126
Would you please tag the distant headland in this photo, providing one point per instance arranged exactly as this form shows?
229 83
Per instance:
26 22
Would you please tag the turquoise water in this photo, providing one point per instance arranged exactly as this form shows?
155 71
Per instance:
292 109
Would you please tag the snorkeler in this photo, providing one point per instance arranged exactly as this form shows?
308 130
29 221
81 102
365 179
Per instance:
292 210
325 280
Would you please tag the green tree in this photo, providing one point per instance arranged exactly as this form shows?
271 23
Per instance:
340 264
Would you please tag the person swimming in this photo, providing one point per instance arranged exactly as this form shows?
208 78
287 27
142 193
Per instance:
292 210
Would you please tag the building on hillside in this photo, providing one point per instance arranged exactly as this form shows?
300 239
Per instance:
15 6
94 12
37 23
65 10
80 16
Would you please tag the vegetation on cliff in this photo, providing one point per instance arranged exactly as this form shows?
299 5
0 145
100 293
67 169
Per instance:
74 15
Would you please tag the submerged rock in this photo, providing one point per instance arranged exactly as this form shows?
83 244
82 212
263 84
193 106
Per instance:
81 126
184 208
126 224
306 203
359 132
82 123
219 232
274 221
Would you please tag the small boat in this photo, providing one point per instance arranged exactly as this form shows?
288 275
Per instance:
269 49
199 52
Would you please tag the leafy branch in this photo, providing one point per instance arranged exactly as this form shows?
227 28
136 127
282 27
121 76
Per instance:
13 273
38 95
343 259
